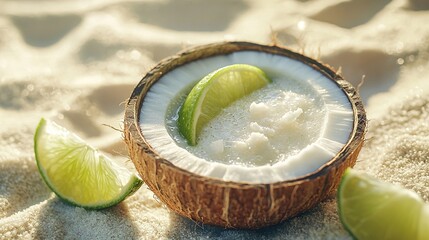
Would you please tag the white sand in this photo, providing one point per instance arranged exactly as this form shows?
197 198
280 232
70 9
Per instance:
76 61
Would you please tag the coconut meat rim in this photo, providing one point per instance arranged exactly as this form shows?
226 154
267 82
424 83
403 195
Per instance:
334 134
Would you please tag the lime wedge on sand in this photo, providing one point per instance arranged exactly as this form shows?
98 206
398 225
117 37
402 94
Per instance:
78 173
213 93
371 209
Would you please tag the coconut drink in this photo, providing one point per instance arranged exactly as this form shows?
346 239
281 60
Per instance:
242 135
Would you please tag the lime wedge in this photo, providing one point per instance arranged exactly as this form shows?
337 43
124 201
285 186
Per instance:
371 209
76 172
213 93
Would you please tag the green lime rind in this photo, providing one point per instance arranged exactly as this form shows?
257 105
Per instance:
339 199
215 92
371 209
187 122
424 223
80 175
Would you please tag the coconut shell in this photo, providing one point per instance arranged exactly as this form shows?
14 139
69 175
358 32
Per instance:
232 204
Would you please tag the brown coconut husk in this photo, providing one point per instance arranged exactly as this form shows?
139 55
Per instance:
232 204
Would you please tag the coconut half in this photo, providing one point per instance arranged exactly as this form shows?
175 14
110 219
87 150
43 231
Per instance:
237 196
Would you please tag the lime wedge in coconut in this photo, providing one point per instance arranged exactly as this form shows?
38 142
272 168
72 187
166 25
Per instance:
371 209
214 93
263 157
77 173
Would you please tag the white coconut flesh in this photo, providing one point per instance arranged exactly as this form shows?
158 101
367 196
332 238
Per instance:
288 129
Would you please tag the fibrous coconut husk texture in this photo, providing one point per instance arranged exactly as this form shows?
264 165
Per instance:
231 204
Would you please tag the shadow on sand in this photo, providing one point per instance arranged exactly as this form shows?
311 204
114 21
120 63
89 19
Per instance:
380 69
58 220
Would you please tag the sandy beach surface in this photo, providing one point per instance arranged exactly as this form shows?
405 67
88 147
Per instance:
76 62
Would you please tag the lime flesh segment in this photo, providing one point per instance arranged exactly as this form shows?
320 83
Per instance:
215 92
78 173
371 209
